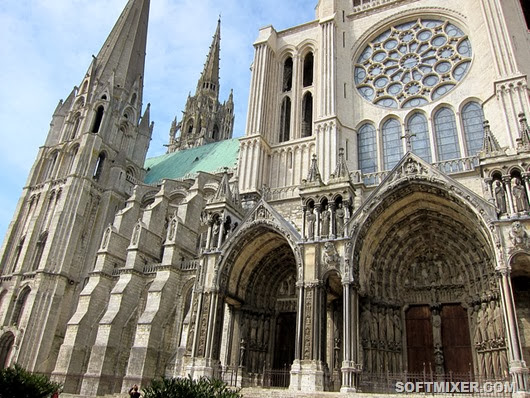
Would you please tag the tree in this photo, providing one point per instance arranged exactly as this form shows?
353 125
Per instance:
189 388
16 382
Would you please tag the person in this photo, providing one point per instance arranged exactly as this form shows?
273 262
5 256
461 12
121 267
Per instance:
133 392
55 394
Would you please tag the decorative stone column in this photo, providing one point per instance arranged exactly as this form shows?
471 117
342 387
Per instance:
333 226
304 231
350 368
517 365
508 185
526 177
318 209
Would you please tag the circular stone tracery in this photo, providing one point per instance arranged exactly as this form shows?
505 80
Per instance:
413 63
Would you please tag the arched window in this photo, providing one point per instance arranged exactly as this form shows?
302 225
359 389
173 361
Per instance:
367 149
392 146
472 119
308 70
307 115
39 249
18 251
285 120
73 154
75 129
98 119
446 134
16 317
52 161
215 132
190 126
287 74
417 126
99 167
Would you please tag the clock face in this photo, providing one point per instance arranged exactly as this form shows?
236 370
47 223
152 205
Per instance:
412 64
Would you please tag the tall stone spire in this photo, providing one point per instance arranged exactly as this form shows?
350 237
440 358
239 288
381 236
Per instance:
209 80
205 119
122 57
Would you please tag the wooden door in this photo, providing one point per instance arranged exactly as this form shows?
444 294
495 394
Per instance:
420 350
456 341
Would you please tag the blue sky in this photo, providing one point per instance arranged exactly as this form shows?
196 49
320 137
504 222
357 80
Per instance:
47 46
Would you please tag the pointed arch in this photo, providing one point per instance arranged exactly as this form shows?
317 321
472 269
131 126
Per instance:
39 250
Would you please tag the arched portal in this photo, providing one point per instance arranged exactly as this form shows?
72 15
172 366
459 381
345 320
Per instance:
430 299
259 283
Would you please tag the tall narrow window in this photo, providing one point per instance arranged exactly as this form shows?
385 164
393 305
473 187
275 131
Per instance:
190 126
308 70
366 144
287 74
52 161
472 119
215 132
16 317
39 249
75 129
99 167
417 126
307 115
285 120
446 134
98 119
18 251
71 162
392 145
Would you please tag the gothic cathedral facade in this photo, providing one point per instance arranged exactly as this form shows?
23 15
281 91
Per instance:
373 219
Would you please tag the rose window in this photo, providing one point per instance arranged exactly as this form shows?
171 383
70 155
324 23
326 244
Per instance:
412 64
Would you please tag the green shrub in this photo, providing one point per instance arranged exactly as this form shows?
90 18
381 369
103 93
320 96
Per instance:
189 388
16 382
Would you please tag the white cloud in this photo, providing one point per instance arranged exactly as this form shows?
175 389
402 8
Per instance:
47 46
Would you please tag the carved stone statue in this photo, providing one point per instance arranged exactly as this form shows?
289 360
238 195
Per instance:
519 196
500 197
325 218
339 220
310 219
215 233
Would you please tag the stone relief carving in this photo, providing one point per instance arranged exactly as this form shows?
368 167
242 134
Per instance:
331 256
518 236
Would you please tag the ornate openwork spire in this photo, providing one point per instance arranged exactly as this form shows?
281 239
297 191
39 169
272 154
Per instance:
490 144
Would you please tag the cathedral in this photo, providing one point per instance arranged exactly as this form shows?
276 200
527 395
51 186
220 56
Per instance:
371 226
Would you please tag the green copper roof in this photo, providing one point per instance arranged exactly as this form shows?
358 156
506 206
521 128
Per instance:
208 158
